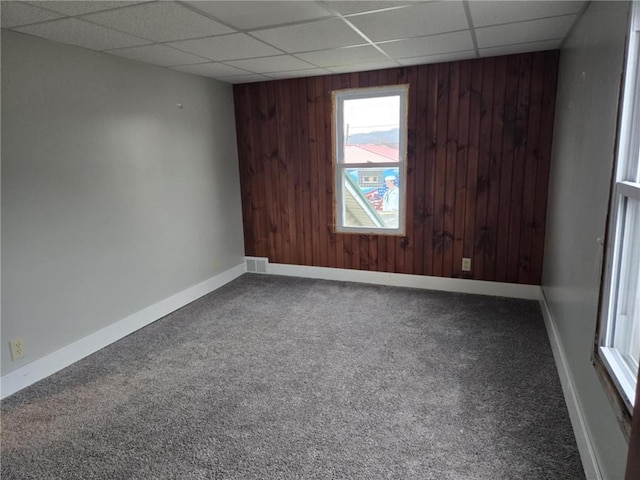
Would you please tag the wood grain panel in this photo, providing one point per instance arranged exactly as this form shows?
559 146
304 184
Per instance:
263 174
530 169
419 136
479 147
430 174
461 169
314 184
544 164
440 207
471 206
514 256
488 244
243 127
408 242
484 166
455 118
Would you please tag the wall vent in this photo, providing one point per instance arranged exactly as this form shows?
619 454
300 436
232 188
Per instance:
257 264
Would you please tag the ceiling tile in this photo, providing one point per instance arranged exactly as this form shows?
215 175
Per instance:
197 36
493 13
161 22
431 45
443 57
82 34
415 20
343 56
323 34
524 32
210 70
271 64
20 13
247 15
158 55
363 67
521 48
82 7
347 8
227 47
310 72
252 77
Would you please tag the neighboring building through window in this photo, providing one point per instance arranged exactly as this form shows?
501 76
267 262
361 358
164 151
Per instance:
618 342
370 135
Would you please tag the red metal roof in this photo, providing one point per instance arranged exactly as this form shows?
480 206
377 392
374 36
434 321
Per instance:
370 153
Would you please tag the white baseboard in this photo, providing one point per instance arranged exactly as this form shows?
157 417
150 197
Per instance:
576 413
65 356
530 292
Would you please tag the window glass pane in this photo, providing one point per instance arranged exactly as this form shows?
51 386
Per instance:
372 129
634 174
618 336
626 333
371 197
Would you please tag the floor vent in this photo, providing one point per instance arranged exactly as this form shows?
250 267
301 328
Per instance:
257 264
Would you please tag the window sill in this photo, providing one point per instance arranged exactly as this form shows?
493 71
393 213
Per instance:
621 374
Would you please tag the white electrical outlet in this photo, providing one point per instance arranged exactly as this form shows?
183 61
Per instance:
17 349
466 264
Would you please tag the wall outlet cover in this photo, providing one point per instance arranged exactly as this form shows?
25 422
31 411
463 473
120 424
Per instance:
17 348
466 264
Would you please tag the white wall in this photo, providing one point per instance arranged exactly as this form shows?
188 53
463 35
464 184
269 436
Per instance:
584 139
113 198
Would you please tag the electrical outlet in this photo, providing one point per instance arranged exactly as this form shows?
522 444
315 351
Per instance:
215 266
466 264
17 349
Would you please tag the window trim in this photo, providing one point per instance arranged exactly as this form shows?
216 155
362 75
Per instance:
338 141
619 381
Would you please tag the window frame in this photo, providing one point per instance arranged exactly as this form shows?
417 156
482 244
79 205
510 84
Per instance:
619 380
338 142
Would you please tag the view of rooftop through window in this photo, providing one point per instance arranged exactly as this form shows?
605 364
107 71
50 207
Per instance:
369 159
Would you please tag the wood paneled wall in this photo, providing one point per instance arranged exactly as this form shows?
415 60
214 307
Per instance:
479 145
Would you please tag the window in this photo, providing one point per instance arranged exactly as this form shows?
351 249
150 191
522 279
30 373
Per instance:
618 342
370 143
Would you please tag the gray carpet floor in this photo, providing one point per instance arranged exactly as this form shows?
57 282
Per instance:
285 378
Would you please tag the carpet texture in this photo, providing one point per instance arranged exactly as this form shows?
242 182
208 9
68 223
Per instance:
286 378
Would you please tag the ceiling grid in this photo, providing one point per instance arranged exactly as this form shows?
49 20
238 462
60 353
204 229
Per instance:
245 41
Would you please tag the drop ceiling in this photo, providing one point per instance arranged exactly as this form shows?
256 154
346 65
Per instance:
247 41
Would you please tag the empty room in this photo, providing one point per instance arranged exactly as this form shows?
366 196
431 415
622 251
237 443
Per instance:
320 239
